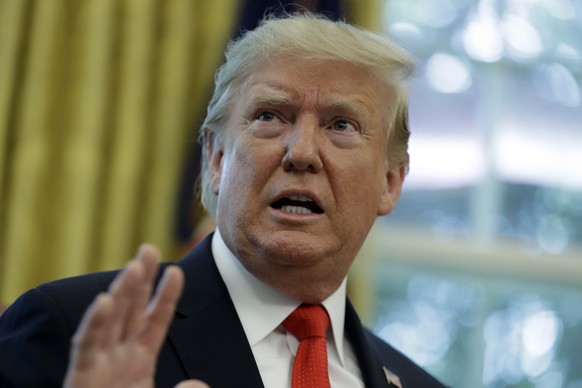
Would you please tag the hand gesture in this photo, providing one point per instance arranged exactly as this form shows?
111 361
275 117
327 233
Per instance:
121 333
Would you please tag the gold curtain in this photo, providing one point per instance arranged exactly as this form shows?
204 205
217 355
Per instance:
365 13
99 102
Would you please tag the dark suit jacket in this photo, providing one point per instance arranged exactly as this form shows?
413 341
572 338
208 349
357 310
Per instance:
205 341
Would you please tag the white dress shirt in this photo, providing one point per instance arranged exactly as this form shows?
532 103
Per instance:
262 309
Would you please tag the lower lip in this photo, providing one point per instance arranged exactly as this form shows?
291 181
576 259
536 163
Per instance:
283 215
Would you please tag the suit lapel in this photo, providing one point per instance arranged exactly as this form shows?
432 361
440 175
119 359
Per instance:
373 372
206 333
381 364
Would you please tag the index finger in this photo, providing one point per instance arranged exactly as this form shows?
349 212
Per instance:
148 258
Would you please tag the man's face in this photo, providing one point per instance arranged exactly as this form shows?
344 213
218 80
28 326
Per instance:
302 174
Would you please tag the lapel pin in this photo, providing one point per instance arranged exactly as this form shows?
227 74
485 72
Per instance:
391 378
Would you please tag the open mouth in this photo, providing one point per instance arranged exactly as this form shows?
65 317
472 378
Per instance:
297 204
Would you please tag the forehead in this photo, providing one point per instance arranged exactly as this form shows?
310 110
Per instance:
339 84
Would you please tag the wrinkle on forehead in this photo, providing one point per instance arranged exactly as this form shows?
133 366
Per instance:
277 93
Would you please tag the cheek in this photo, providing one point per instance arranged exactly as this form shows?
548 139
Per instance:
243 168
361 184
235 173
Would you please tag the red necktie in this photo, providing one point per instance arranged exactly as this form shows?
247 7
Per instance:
309 323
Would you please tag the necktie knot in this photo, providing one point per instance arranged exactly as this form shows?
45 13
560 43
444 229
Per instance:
307 321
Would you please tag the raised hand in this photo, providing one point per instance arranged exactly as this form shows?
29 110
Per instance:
121 333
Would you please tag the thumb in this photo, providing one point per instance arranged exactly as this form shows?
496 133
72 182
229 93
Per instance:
192 384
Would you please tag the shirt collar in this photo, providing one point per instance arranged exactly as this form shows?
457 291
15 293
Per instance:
261 308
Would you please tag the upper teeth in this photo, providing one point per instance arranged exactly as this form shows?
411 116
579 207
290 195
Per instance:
301 198
296 209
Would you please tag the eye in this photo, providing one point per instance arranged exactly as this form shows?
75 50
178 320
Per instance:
342 125
266 116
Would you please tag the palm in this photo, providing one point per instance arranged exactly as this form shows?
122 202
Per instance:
120 336
130 365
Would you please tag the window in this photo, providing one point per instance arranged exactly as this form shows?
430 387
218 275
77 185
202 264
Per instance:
478 271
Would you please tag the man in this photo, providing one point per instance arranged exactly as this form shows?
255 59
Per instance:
305 144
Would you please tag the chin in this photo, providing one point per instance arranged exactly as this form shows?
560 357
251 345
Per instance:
292 250
306 269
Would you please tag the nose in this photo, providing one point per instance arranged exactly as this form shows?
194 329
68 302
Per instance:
302 151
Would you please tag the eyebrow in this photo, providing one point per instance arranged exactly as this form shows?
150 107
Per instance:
350 107
271 99
271 92
279 95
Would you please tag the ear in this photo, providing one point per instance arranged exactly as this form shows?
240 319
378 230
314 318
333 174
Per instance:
392 188
214 153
